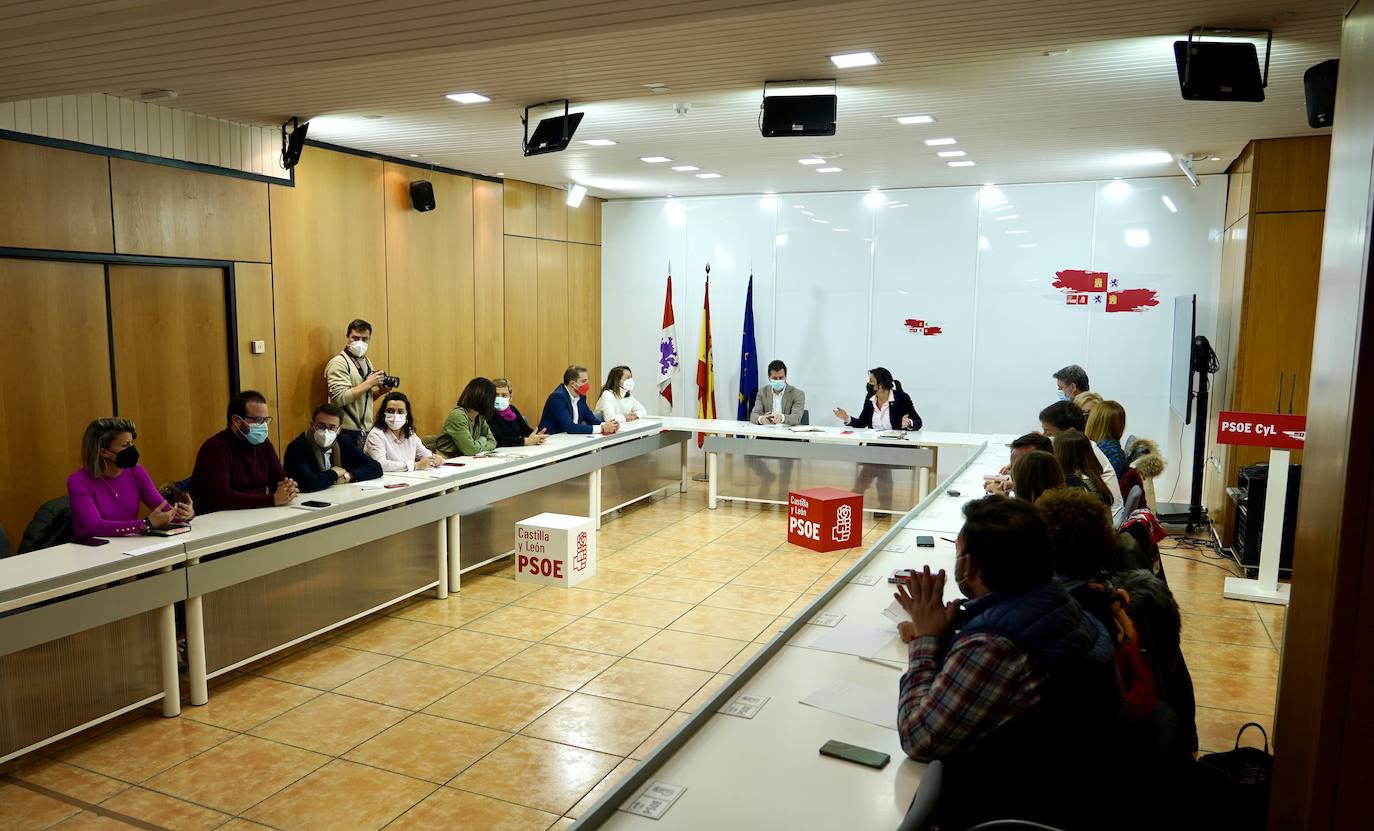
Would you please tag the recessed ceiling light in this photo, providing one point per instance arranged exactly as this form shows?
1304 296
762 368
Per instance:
951 154
1214 159
1004 217
848 60
1055 53
467 97
807 213
821 221
812 160
937 142
599 142
500 173
685 168
829 169
1147 157
1169 203
415 155
916 119
708 175
898 205
960 164
654 159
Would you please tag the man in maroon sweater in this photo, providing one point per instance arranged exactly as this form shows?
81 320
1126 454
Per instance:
238 467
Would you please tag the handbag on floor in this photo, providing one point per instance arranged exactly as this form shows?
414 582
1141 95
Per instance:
1236 782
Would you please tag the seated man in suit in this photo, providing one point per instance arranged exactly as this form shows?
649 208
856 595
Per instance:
777 402
566 409
316 461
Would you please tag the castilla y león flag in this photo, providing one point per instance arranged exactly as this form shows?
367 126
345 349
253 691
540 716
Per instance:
667 348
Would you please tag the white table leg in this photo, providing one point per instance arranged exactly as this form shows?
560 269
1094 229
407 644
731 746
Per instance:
594 497
711 483
167 641
441 544
195 650
455 566
1266 588
924 490
686 474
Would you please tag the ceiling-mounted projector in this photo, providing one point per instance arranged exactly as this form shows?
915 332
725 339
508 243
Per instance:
551 134
798 110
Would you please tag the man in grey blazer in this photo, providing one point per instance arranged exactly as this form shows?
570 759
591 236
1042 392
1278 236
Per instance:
777 402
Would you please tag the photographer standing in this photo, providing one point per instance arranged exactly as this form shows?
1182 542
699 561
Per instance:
353 383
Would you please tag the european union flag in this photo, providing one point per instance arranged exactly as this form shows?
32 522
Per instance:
749 359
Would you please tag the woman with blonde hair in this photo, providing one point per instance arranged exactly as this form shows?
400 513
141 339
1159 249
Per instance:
1085 401
106 492
508 425
1034 473
1106 425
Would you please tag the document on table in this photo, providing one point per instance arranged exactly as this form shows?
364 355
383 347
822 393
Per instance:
855 639
857 702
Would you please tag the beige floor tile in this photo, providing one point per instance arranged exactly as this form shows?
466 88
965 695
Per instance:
498 703
687 531
145 748
455 610
324 667
496 589
521 623
1232 659
344 796
660 735
616 538
1213 603
165 811
574 602
88 821
596 723
562 824
685 649
664 545
607 636
238 774
1250 694
742 658
452 808
331 724
675 588
716 571
68 780
797 559
744 555
639 560
1216 729
605 785
644 682
428 747
1184 575
646 611
25 810
751 599
779 623
553 666
545 775
758 538
390 635
1225 630
240 824
797 606
468 651
613 582
246 701
723 623
410 685
1273 618
704 694
771 577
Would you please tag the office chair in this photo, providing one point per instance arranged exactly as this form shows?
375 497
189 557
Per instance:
927 796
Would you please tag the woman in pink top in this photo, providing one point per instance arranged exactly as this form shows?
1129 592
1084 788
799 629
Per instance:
105 493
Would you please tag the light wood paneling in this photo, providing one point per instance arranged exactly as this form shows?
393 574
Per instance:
1290 174
555 319
54 198
253 301
1234 253
169 212
171 361
1238 190
329 267
584 305
551 213
429 284
519 208
582 222
522 327
488 266
56 311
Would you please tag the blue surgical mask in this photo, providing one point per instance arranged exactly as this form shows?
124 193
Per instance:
257 433
502 403
1063 396
778 384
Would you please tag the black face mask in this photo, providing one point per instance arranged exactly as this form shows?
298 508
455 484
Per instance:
868 388
126 458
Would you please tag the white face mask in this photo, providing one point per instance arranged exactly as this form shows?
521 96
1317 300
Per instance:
325 438
358 348
395 420
628 385
502 403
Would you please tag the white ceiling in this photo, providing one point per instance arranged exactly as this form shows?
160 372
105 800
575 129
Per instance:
979 66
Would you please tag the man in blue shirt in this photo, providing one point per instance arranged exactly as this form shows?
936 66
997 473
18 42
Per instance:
566 409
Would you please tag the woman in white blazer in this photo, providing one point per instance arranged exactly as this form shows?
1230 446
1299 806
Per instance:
617 401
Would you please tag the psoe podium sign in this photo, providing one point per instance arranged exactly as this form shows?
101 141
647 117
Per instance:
1274 430
555 550
825 519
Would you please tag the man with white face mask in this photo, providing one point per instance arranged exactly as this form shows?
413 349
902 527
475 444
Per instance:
316 459
353 382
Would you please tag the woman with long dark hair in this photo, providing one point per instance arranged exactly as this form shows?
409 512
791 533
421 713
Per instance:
393 441
467 430
617 401
887 407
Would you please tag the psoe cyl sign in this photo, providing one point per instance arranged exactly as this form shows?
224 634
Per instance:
1285 432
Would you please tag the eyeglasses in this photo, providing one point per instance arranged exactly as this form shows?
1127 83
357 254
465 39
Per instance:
323 427
257 419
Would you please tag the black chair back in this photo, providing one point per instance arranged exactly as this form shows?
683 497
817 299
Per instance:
927 796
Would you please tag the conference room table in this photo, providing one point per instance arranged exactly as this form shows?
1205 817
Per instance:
764 771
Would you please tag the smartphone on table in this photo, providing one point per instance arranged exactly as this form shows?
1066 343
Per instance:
853 753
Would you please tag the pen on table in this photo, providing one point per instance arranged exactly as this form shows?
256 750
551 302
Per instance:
948 540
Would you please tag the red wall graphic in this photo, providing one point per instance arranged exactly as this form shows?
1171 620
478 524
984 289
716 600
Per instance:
921 327
1097 288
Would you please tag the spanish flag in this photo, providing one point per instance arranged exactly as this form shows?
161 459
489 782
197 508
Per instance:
706 367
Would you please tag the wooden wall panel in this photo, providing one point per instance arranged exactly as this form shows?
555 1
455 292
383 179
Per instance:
488 267
582 222
429 284
521 287
1238 189
329 267
1286 174
1235 252
519 200
555 320
62 383
551 213
54 198
171 361
169 212
584 304
253 301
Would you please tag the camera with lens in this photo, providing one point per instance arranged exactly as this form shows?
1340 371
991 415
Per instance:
391 381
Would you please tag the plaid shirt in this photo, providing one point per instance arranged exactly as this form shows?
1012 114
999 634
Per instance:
984 682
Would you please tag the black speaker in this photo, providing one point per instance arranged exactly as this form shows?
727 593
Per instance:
1319 83
292 142
798 115
422 196
1218 71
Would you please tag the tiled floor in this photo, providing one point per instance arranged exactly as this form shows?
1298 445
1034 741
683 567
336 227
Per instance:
516 707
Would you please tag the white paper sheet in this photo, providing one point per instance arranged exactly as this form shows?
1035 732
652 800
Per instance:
855 639
856 702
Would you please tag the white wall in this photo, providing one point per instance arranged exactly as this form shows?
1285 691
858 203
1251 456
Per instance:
832 302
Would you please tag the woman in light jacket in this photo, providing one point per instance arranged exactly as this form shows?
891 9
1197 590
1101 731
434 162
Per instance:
393 441
617 399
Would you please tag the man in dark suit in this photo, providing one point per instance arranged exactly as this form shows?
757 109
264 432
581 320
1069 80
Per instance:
316 460
566 409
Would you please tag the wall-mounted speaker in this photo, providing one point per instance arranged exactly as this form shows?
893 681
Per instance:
798 115
422 196
1218 71
1319 83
